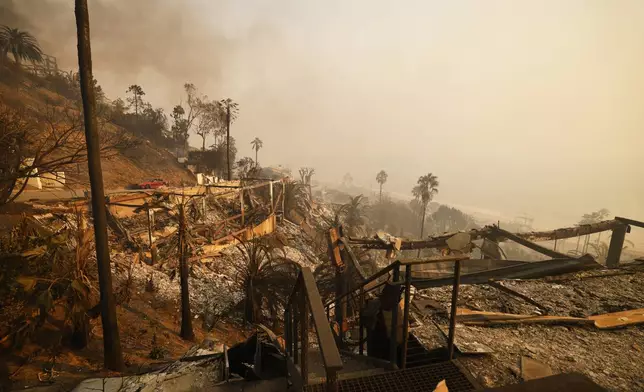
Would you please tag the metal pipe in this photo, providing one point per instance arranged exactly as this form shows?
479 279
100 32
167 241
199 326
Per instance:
296 354
452 318
287 335
406 315
305 337
361 322
393 342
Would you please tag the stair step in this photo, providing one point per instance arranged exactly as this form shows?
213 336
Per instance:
418 379
348 375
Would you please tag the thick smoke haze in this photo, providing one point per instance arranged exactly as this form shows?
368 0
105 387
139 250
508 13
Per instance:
517 106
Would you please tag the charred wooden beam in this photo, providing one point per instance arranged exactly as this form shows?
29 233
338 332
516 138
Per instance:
530 245
432 242
570 232
534 270
534 236
616 246
631 222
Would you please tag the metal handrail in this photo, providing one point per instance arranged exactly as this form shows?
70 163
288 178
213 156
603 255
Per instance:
407 283
391 267
306 286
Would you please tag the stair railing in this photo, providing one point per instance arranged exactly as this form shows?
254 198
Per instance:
304 305
392 271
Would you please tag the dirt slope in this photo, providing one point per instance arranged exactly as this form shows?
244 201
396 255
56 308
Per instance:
143 162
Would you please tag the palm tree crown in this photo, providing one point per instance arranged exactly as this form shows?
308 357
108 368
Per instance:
381 177
257 144
426 189
21 44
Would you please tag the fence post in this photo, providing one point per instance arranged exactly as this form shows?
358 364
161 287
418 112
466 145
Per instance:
452 318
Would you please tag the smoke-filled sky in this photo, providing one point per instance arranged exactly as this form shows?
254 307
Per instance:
517 106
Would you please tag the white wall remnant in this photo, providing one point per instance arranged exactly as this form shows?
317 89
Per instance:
53 180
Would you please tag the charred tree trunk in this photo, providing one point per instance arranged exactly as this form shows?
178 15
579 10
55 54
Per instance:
249 305
80 333
111 342
422 226
186 316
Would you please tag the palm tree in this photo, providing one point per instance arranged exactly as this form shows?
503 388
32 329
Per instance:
21 44
231 112
27 47
353 213
297 198
424 191
181 245
263 278
381 177
257 144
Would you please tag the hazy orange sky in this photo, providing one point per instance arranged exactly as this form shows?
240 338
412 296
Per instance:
517 106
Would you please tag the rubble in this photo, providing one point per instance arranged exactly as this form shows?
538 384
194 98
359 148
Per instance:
181 375
611 358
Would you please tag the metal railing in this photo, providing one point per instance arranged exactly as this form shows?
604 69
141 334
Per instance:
304 305
393 271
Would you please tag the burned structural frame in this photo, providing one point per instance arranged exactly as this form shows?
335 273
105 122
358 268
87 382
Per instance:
619 226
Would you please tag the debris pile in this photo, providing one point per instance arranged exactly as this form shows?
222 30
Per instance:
496 326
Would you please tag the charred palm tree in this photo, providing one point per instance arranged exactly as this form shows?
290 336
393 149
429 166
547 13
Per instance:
353 213
266 280
257 145
66 276
381 178
424 191
21 44
297 198
180 246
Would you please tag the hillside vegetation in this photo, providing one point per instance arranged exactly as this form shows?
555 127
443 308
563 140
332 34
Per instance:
48 103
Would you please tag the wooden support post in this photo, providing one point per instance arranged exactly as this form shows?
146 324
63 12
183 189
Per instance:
616 246
341 305
203 208
393 338
452 318
149 225
271 192
283 198
403 362
241 200
531 245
